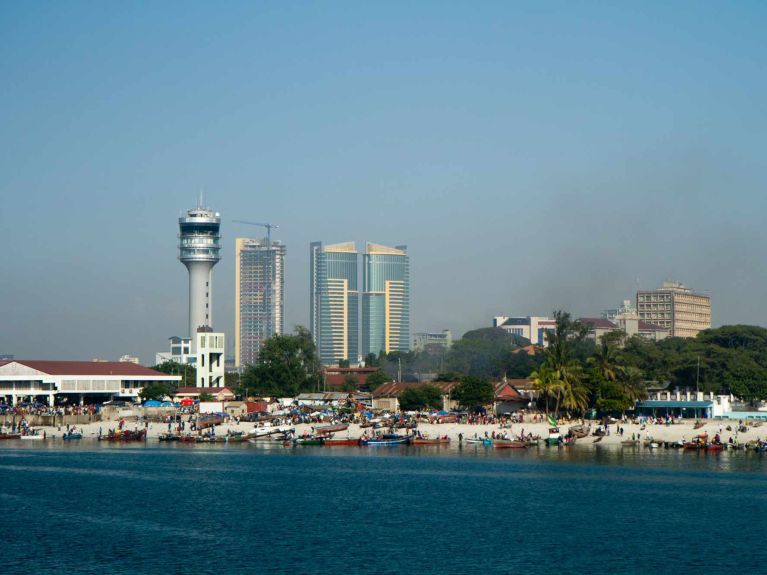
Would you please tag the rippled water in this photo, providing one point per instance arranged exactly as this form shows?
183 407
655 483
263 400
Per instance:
88 508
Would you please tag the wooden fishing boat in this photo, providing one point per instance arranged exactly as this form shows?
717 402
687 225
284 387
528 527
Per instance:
388 439
335 428
168 437
430 441
309 440
349 441
554 435
693 445
580 431
236 438
10 436
509 444
478 441
125 435
187 439
715 447
630 443
33 435
211 420
598 439
72 436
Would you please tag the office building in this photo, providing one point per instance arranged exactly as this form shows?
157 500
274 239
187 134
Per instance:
385 299
259 296
432 340
334 301
532 328
199 251
676 308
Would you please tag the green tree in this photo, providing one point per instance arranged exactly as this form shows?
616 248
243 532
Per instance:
371 360
287 365
420 397
157 391
204 396
343 363
186 371
544 382
377 379
474 391
350 383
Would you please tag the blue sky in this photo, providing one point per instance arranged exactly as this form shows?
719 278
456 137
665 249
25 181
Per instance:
533 156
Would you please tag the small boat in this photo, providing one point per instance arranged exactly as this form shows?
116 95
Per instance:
478 441
630 443
124 435
187 439
72 436
510 444
598 439
33 435
349 441
430 441
652 445
168 437
385 440
554 436
580 431
210 420
10 436
309 440
324 429
715 447
694 445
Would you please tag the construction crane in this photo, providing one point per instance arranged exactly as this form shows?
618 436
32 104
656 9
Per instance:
259 224
270 273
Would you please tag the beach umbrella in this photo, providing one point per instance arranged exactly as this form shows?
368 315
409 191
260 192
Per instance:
187 401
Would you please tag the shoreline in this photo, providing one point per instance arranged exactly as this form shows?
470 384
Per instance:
656 432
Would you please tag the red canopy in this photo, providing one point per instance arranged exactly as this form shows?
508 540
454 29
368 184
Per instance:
187 401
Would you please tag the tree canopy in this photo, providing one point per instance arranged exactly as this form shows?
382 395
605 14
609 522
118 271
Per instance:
420 397
287 365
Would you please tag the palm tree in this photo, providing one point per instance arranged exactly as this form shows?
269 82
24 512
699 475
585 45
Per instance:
544 381
571 393
604 361
633 384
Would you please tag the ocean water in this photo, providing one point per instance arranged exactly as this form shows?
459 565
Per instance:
90 508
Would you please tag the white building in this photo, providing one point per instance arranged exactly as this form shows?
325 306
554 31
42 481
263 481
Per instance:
443 339
532 328
210 358
180 351
95 381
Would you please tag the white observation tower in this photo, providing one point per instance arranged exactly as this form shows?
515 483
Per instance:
199 251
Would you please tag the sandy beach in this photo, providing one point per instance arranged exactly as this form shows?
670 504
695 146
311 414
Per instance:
675 432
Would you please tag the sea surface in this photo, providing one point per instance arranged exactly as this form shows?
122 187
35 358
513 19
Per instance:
91 508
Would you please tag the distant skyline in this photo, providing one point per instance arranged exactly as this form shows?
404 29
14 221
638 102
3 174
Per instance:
536 156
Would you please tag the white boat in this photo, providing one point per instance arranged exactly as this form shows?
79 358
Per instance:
33 436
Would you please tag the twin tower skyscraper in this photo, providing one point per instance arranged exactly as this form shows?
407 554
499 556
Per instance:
340 313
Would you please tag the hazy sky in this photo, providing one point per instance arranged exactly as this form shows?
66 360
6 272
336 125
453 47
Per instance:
533 156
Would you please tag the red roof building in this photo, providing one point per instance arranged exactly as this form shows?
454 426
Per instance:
80 381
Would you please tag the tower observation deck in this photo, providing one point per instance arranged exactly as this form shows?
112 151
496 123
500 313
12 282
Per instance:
199 251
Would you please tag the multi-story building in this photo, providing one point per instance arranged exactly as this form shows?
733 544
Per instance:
533 328
210 348
334 301
676 308
259 295
424 339
385 299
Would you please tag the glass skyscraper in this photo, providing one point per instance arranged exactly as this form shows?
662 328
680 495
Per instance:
334 301
385 299
259 296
